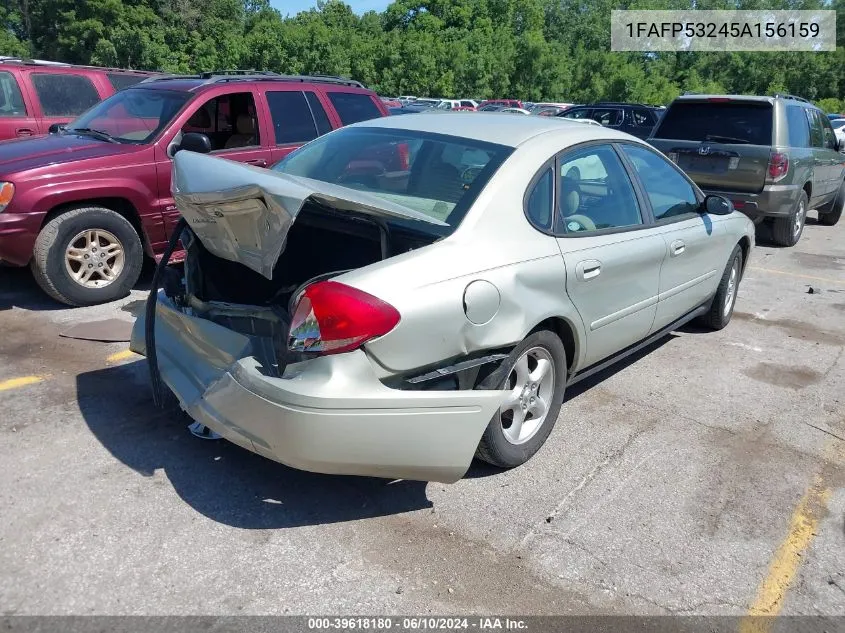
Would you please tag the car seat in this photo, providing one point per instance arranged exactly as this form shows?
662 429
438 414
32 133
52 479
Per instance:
245 136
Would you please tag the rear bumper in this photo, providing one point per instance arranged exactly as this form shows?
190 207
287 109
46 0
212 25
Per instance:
772 201
17 236
328 415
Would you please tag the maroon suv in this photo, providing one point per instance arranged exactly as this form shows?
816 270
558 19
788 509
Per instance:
82 207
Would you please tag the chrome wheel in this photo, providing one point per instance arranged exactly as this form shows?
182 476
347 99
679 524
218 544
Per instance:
531 384
798 222
94 258
730 295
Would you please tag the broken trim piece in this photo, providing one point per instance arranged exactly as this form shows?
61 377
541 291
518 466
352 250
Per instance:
453 369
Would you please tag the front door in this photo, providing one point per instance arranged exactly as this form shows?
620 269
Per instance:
692 241
612 253
233 124
832 157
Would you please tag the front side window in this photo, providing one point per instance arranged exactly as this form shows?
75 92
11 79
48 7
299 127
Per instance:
595 192
816 134
827 131
134 115
669 193
11 100
64 95
436 175
292 120
354 106
229 121
539 206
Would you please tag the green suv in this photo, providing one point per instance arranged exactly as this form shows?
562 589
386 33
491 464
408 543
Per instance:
773 157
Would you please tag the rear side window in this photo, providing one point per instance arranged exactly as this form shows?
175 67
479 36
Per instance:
119 81
354 106
719 122
798 128
577 113
319 112
641 116
11 101
292 120
540 200
607 116
64 95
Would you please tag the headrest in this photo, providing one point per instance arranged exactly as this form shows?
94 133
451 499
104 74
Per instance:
245 124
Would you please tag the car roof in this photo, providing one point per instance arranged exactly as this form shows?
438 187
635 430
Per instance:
193 83
755 98
493 127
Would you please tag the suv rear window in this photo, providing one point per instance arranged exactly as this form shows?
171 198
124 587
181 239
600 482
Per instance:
119 81
64 95
354 106
720 122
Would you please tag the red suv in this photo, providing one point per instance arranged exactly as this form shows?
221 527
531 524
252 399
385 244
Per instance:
84 205
35 94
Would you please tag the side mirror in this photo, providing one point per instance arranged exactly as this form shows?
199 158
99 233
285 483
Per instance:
195 142
717 205
56 128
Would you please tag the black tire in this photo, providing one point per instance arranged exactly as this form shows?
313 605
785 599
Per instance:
784 231
829 217
494 447
719 315
48 260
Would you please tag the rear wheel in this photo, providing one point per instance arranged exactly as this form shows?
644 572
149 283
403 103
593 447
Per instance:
829 217
787 231
87 256
722 308
534 374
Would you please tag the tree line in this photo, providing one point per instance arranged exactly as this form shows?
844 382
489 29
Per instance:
535 50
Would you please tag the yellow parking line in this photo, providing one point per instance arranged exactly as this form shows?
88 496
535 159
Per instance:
121 356
799 276
22 381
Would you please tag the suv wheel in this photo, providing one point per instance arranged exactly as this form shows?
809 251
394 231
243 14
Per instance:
535 375
831 216
787 231
87 256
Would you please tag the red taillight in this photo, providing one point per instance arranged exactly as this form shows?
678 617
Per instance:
331 317
778 166
404 156
738 204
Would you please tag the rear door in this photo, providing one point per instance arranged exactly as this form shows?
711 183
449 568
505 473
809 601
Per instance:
611 250
16 112
297 116
723 144
61 97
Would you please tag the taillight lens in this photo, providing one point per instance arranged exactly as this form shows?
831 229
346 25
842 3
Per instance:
331 318
778 166
7 191
404 156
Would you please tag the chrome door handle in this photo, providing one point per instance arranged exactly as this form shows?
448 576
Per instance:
588 269
677 247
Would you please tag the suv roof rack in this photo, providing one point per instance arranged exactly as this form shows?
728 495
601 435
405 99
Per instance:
783 95
225 76
4 59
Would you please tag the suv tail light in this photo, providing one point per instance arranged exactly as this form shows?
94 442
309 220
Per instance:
778 166
404 156
331 318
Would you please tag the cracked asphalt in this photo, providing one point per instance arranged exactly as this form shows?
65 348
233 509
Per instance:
703 476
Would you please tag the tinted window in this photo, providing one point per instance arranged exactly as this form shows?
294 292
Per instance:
119 81
540 200
11 101
595 192
669 193
319 112
354 106
292 118
720 122
798 128
816 135
827 130
435 175
577 113
641 116
62 95
607 116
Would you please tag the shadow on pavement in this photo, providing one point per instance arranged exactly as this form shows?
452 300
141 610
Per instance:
218 479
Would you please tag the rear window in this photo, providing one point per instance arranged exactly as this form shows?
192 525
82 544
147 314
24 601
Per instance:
119 81
354 106
725 122
64 95
11 101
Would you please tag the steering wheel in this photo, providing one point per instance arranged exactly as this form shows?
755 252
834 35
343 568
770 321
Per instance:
578 222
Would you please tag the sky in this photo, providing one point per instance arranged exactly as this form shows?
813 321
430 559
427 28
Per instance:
358 6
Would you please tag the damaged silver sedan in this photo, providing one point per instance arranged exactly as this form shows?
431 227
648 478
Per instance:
406 293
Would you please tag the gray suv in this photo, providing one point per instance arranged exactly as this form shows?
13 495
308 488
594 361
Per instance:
774 157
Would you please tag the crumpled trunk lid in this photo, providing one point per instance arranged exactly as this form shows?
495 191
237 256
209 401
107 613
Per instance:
243 213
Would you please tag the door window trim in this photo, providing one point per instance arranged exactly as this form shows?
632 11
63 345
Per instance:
640 185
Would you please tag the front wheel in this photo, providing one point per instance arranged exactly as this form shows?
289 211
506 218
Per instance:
831 216
87 256
535 379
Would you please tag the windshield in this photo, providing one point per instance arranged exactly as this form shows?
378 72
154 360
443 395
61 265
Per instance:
434 174
134 115
720 122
